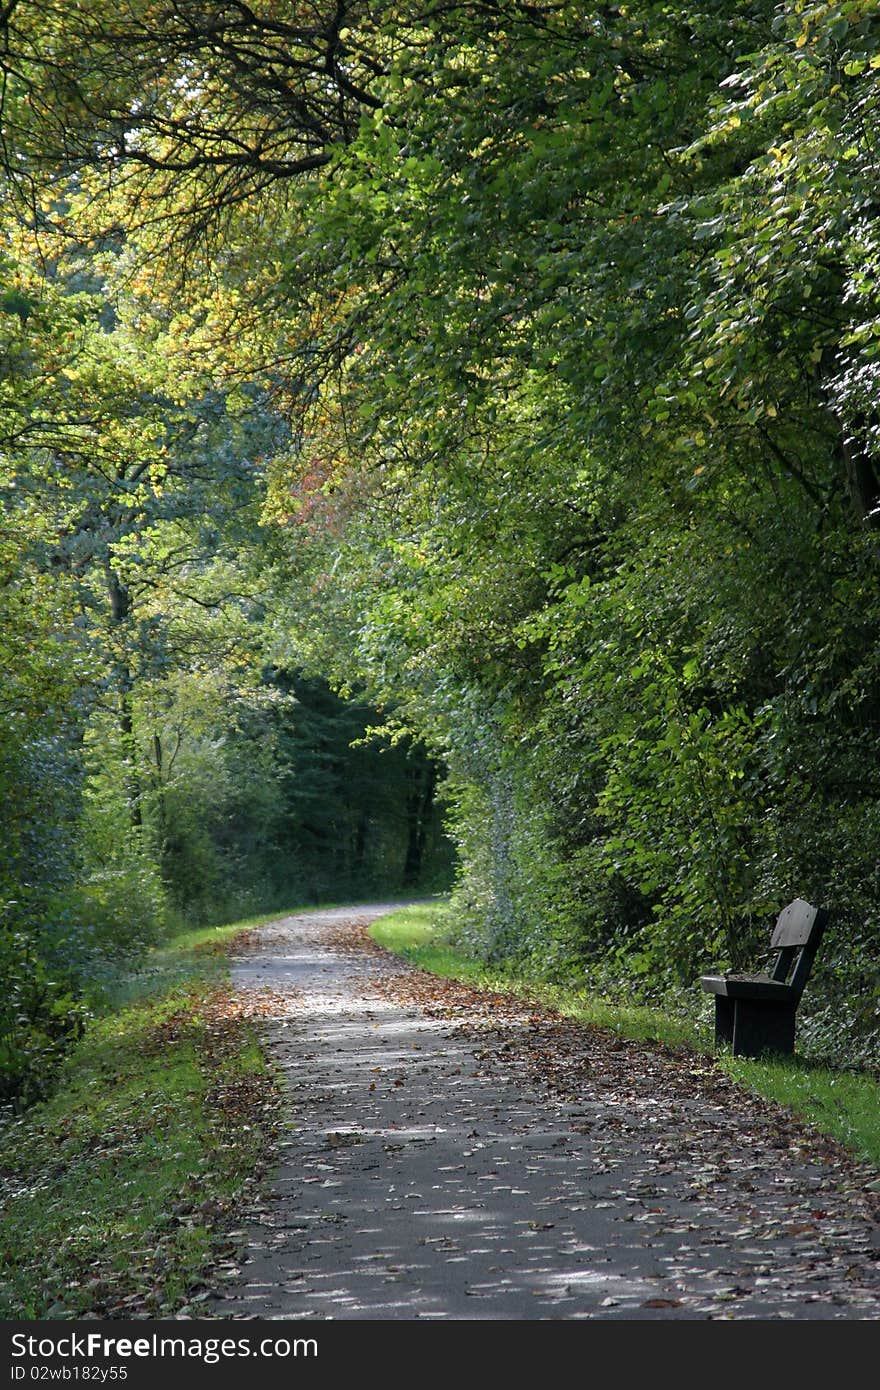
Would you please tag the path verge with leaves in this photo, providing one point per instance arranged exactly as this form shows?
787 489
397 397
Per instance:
116 1192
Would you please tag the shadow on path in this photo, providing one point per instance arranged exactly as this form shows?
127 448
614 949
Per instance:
426 1175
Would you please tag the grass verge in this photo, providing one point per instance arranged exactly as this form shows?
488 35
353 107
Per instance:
114 1192
844 1105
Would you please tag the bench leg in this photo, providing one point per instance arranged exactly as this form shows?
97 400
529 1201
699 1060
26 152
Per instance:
723 1020
761 1026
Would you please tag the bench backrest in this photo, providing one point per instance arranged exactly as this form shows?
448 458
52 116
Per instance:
797 934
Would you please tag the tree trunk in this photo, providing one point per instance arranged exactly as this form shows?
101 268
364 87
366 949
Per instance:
120 607
419 805
161 814
861 477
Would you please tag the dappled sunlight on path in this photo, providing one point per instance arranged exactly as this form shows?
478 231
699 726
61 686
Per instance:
439 1163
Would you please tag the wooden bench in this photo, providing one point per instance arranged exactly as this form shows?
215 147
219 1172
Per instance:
755 1013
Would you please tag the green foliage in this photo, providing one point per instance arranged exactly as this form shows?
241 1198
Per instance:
39 1018
148 761
360 815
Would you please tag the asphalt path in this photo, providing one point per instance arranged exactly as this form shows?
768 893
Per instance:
429 1169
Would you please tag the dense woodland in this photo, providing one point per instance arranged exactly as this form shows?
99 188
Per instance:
509 370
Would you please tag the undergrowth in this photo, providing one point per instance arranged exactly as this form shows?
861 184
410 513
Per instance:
116 1190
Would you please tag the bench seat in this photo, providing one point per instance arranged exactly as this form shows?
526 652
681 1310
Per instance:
747 987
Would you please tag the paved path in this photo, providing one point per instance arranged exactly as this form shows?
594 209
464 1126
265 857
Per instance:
428 1175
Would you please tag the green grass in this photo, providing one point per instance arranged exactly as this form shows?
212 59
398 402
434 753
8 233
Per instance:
844 1105
114 1191
196 953
420 935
